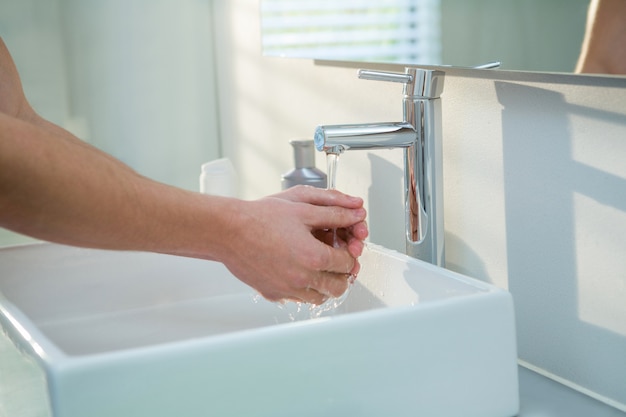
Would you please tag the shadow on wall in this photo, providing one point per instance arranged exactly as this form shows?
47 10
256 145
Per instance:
547 240
461 258
384 194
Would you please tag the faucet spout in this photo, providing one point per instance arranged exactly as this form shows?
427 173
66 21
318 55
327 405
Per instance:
420 137
330 139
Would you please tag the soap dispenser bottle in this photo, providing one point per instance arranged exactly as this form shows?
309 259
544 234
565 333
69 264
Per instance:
305 171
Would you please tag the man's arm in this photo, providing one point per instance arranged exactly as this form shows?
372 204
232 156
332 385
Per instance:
55 187
604 46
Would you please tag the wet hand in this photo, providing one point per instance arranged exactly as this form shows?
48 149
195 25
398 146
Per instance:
283 247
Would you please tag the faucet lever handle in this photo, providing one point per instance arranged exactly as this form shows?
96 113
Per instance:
418 83
393 77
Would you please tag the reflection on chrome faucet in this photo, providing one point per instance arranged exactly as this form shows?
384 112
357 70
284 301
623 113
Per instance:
419 134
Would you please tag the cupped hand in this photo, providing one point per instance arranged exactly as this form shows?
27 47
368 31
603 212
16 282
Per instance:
351 237
283 244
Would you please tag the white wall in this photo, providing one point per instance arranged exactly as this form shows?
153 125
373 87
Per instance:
135 78
142 77
535 183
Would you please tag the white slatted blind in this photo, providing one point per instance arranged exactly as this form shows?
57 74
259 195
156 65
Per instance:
407 31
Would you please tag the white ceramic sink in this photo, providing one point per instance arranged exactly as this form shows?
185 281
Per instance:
100 333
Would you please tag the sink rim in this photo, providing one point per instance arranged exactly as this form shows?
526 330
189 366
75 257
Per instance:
30 338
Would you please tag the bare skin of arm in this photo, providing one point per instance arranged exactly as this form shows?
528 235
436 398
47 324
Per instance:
55 187
604 47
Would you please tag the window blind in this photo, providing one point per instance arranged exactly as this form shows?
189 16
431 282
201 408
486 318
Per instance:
404 31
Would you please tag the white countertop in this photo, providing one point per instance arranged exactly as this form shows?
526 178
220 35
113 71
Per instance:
543 397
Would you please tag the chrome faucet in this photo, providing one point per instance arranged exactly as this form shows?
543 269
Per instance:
419 134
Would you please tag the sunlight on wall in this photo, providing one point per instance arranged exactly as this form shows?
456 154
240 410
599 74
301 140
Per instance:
600 262
600 217
476 227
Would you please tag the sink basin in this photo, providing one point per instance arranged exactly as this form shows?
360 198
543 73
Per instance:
103 333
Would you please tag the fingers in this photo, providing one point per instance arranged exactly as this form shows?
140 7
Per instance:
336 260
350 239
328 236
333 217
359 230
319 262
355 247
353 238
320 197
337 210
324 286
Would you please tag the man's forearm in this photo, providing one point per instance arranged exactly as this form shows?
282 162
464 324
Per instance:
55 187
605 36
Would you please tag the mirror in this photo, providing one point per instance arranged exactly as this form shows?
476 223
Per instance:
533 35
